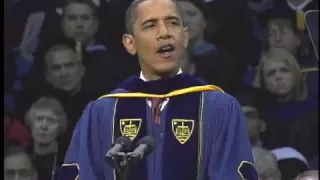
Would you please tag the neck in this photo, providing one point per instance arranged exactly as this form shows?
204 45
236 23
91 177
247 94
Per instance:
156 76
42 149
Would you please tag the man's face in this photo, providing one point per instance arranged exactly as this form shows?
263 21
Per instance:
281 35
79 23
18 167
278 77
193 19
159 38
44 126
255 125
64 71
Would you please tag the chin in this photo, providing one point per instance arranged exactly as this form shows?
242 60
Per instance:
166 68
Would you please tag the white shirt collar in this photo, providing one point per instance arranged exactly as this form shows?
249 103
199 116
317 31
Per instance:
144 79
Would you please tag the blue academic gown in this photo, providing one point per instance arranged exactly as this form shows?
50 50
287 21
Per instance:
214 147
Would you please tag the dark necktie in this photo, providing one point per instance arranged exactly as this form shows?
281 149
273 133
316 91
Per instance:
156 108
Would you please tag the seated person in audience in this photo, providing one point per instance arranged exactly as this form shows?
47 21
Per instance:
266 164
47 120
18 164
65 77
203 59
308 175
281 76
290 162
284 33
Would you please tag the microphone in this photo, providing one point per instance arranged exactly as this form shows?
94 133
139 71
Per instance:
122 143
146 145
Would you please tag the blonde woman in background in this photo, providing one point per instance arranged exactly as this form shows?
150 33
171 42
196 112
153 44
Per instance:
279 73
290 105
47 120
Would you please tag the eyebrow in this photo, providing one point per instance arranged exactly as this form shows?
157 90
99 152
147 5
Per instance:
152 20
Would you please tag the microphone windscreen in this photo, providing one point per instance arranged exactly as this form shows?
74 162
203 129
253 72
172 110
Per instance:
124 141
149 141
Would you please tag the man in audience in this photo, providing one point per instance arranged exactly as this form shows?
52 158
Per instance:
63 69
80 21
18 164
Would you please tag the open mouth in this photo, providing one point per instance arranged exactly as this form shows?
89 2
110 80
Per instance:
166 51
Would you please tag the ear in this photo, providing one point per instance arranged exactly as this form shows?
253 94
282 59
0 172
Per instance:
263 126
186 36
128 43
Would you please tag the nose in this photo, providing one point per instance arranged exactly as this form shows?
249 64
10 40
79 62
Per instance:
16 176
278 76
163 31
44 124
63 71
278 37
79 23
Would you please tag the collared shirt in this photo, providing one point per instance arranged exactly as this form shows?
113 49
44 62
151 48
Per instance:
165 102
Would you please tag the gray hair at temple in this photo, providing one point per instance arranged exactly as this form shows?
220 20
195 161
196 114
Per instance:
48 103
308 175
131 14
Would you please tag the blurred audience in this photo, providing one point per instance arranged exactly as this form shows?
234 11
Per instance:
279 73
60 55
203 59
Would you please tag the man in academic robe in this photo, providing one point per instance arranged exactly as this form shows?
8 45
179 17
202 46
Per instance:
199 130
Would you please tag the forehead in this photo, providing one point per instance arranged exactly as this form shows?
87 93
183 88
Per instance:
62 56
156 9
280 23
17 161
274 64
77 9
43 112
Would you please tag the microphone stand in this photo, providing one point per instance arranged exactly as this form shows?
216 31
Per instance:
123 171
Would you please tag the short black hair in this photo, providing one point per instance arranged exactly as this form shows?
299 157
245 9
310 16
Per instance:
86 2
131 14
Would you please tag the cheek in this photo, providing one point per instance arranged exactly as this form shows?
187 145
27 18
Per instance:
288 78
54 129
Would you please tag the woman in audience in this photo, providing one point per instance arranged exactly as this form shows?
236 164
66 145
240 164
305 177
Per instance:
47 120
279 73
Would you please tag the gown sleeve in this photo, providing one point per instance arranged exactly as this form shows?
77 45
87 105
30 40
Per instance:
230 149
91 138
